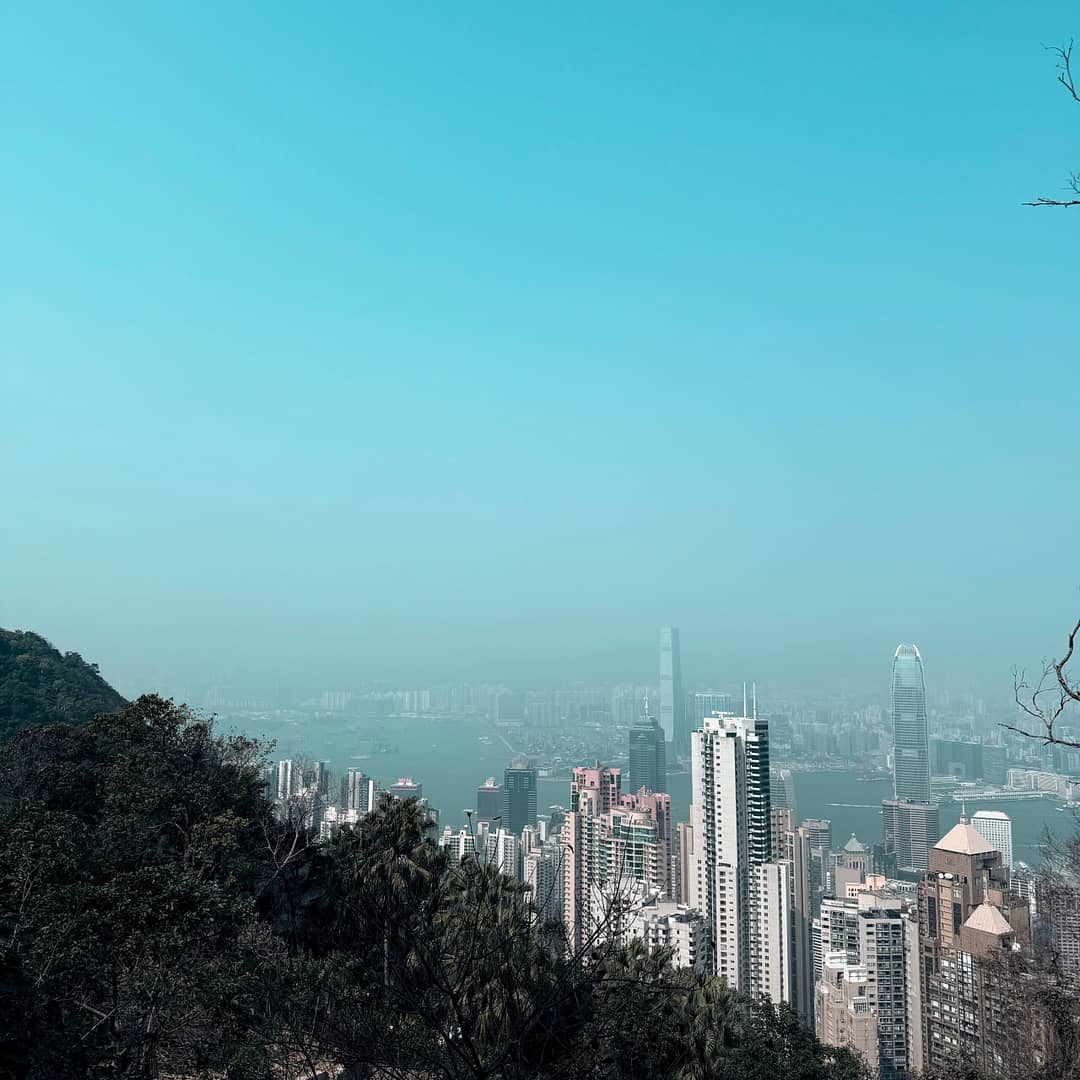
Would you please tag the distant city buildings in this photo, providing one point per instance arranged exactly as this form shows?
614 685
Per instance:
911 756
782 787
968 920
864 946
1057 898
702 703
844 1011
910 830
892 951
489 801
672 719
493 846
543 873
909 820
850 866
358 792
616 850
648 755
665 924
995 828
1057 784
287 782
406 788
519 795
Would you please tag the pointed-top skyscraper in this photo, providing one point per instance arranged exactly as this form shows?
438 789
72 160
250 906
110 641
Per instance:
911 746
648 754
672 702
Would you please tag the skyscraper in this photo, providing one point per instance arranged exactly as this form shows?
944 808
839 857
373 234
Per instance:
617 856
672 702
968 920
648 754
996 829
866 934
286 780
358 792
910 830
702 703
791 845
911 748
489 801
744 896
519 795
320 779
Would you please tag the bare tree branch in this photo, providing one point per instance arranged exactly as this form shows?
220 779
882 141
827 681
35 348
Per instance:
1054 681
1059 666
1065 77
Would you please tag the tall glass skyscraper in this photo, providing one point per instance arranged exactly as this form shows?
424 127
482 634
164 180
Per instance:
648 756
519 795
672 702
911 747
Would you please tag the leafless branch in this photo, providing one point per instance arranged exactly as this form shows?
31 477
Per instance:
1059 666
1030 698
1065 77
1053 202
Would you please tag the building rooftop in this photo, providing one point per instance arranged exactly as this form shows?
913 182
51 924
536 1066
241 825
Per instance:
965 840
988 919
854 845
992 815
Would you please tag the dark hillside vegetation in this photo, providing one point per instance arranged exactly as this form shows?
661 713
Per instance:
40 685
158 918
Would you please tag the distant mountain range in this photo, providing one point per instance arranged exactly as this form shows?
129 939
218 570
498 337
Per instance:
41 685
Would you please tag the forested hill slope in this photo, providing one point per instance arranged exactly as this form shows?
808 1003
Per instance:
40 685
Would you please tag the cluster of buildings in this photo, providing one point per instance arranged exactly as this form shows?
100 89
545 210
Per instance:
897 951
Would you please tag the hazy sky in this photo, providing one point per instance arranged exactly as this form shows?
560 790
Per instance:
488 338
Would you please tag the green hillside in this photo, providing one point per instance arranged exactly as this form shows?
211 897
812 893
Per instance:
40 685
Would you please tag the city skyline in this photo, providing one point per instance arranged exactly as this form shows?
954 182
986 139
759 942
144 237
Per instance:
537 541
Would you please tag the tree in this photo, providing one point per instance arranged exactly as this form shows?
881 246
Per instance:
159 917
39 685
129 861
1065 77
1047 700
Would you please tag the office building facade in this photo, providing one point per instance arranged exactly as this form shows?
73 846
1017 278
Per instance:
672 703
519 795
996 828
648 755
910 830
911 746
968 920
489 801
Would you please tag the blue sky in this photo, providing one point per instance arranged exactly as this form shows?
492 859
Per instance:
360 340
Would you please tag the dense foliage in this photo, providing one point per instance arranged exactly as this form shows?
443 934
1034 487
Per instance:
158 919
39 685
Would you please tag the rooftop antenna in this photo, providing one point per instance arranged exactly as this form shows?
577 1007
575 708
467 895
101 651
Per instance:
755 700
744 697
963 811
646 704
